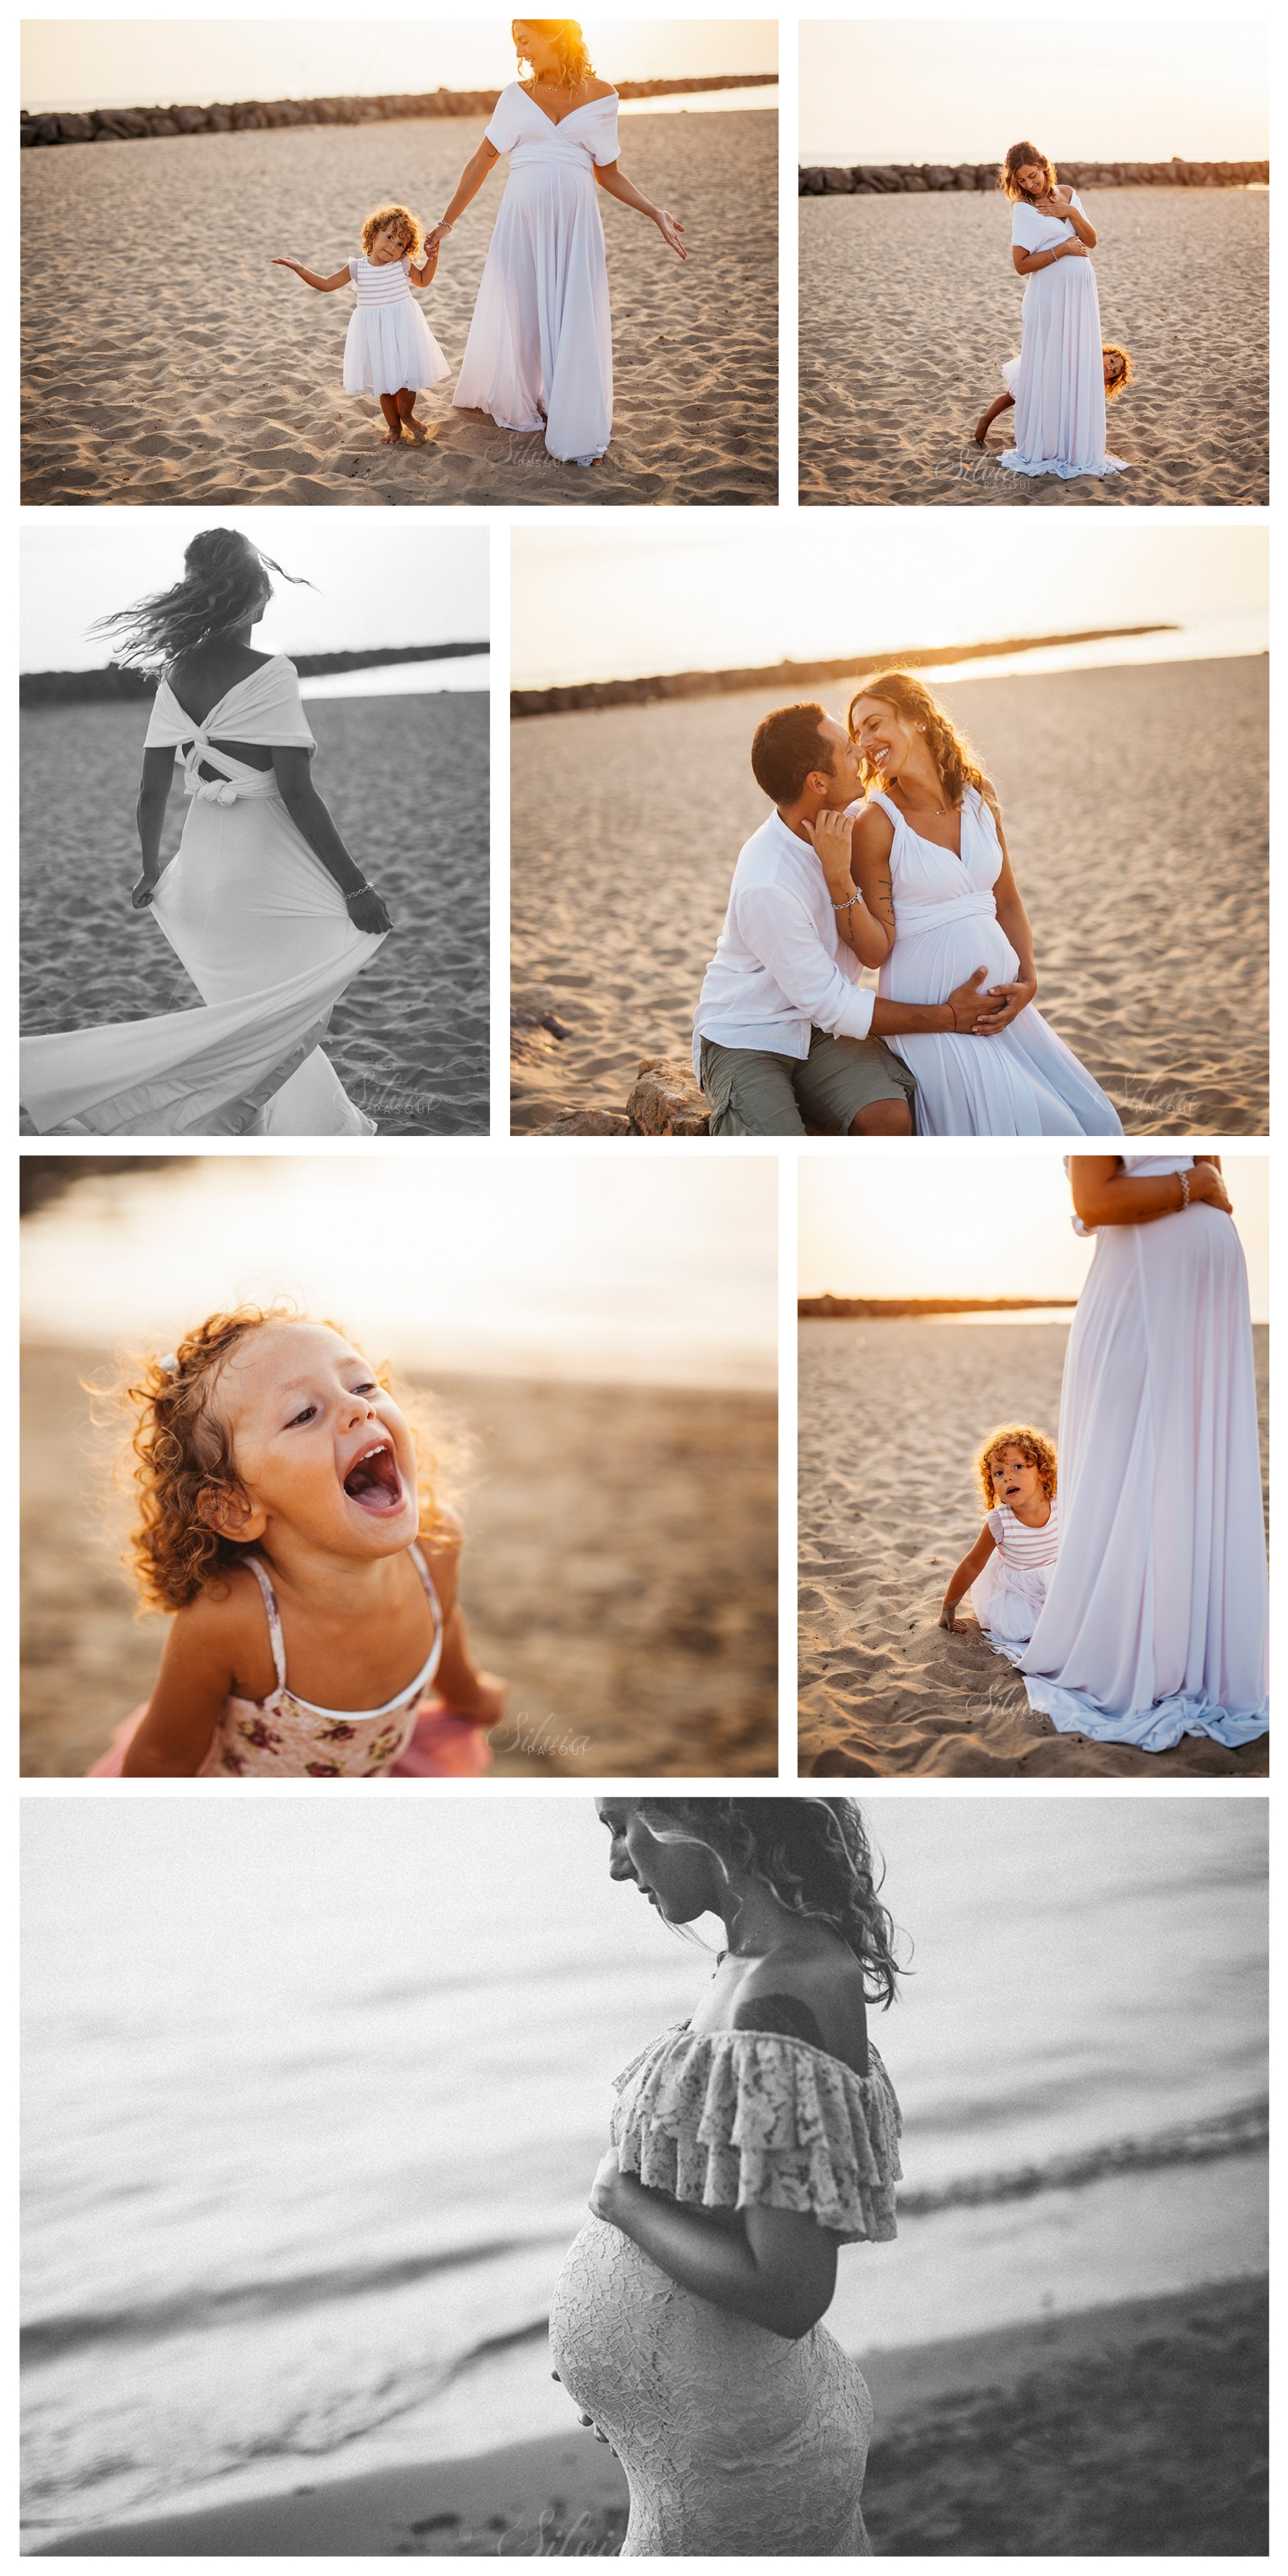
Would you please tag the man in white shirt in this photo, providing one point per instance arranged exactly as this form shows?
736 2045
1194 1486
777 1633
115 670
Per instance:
784 1036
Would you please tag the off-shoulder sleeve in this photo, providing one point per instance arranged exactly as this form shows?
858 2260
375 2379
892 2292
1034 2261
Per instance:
1026 227
507 120
748 2119
604 143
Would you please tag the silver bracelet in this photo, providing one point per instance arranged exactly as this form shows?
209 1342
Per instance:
1185 1189
354 891
849 899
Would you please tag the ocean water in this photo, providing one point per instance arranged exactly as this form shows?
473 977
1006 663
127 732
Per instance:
314 2093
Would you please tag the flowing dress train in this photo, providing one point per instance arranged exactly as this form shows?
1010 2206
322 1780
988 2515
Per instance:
264 934
540 350
1025 1082
1058 380
735 2441
1154 1626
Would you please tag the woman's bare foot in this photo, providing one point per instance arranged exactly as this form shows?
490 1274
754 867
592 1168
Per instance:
982 427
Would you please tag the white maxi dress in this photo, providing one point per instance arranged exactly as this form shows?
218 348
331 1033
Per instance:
1025 1082
540 350
265 936
1058 379
1154 1626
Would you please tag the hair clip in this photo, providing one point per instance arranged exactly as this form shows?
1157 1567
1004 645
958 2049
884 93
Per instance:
170 1365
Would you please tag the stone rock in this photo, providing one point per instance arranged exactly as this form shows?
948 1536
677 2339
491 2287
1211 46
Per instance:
588 1122
812 182
939 177
75 129
666 1101
838 183
162 125
190 120
219 120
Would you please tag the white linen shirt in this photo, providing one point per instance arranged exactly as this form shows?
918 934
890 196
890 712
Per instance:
781 968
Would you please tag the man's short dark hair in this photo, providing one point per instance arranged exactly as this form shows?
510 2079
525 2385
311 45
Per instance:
786 747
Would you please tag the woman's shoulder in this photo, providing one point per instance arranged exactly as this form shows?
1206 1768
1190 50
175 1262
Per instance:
597 89
820 2000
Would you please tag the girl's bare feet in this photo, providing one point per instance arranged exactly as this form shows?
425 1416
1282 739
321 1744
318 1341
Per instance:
391 437
419 432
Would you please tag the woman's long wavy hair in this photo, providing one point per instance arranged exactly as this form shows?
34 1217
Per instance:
226 579
955 761
1024 156
575 65
178 1454
813 1854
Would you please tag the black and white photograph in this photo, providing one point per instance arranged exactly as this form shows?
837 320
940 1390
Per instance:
741 2177
254 827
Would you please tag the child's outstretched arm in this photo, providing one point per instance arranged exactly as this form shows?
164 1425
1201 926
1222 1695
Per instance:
172 1740
960 1582
468 1692
324 285
424 275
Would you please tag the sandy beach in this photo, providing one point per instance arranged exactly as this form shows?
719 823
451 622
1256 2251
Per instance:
909 305
1137 2430
884 1690
182 367
626 823
409 1039
619 1570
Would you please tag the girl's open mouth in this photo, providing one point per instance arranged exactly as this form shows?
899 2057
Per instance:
373 1480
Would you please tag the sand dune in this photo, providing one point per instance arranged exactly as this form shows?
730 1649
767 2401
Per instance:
165 360
409 1039
625 825
883 1689
910 304
619 1570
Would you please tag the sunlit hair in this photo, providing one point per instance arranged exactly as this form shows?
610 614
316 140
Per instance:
226 580
575 65
955 761
1024 156
400 221
813 1854
178 1454
1034 1448
1121 381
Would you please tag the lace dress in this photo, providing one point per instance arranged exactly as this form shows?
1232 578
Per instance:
735 2442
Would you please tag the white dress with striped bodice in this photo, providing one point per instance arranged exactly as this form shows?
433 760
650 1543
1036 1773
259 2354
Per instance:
389 346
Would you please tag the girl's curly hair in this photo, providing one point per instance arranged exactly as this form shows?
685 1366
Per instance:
575 65
178 1454
955 761
812 1853
1024 156
1035 1449
1126 371
399 219
226 579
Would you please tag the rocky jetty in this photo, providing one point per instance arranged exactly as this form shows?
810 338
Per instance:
115 681
919 179
256 115
664 1101
851 1310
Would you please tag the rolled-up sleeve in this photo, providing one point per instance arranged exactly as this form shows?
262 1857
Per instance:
777 929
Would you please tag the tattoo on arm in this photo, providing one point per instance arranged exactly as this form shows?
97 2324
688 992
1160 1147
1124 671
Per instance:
782 2014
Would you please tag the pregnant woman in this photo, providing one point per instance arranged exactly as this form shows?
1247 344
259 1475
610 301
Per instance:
1058 380
939 900
1154 1626
540 350
262 904
748 2145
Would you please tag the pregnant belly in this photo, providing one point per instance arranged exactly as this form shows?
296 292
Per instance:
717 2422
927 965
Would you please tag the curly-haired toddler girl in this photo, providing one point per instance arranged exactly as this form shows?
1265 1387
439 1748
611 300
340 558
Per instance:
1010 1565
390 350
287 1518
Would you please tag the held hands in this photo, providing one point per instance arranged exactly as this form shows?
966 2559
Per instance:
1013 998
671 232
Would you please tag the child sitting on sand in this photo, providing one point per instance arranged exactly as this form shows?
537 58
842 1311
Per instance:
286 1517
390 350
1119 372
1009 1567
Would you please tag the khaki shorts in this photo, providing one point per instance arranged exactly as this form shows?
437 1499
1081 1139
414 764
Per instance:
753 1092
